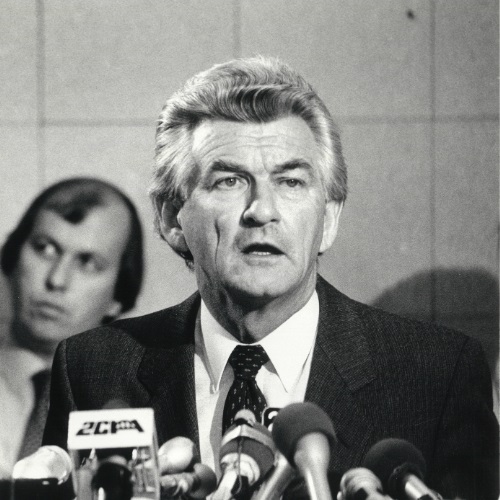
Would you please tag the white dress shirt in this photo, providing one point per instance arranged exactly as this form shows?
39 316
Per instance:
17 400
282 380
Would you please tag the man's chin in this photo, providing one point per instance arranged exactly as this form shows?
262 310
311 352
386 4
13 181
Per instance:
41 336
258 290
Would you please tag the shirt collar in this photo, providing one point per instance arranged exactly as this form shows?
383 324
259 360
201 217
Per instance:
288 347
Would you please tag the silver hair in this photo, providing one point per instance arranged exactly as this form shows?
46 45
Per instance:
256 90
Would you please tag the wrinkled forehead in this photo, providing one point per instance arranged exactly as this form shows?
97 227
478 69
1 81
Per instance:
271 143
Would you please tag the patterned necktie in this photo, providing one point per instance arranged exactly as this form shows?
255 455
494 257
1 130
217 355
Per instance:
246 361
36 423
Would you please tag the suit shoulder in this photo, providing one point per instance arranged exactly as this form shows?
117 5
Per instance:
399 351
162 328
384 328
391 323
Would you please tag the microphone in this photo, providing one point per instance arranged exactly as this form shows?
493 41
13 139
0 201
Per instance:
246 456
303 432
197 484
177 455
44 474
113 479
110 476
401 468
115 452
274 486
47 462
360 484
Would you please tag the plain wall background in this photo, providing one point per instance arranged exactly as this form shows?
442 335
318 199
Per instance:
413 85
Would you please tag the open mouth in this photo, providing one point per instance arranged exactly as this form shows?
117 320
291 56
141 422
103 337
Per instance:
262 249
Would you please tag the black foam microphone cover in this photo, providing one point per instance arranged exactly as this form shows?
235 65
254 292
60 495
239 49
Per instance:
297 420
114 477
392 460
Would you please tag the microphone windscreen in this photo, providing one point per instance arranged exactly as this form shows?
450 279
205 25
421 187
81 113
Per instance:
206 481
262 454
47 462
296 421
177 455
391 459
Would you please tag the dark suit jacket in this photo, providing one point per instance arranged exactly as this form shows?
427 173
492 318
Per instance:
376 374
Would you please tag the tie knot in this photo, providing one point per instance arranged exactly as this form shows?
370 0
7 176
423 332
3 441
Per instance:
246 360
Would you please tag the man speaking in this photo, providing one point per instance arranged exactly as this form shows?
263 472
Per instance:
248 188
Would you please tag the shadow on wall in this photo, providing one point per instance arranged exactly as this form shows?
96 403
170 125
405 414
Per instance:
464 299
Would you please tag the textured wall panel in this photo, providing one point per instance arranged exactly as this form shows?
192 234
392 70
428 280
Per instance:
385 230
364 58
119 59
18 62
467 195
19 177
467 57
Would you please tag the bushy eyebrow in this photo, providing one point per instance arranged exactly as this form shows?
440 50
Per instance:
294 164
224 166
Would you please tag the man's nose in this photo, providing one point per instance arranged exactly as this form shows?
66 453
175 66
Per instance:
261 207
59 275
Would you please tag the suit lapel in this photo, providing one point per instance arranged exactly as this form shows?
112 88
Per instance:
341 368
167 372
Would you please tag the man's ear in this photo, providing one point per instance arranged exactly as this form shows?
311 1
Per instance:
330 224
170 228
